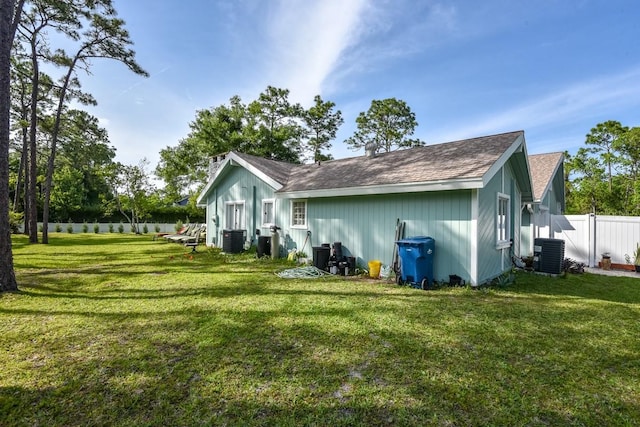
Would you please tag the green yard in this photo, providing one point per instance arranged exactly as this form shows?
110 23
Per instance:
122 330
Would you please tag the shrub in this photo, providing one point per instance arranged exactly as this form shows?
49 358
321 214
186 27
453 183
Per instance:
145 229
110 228
157 228
179 225
15 220
85 227
121 228
96 227
58 228
70 228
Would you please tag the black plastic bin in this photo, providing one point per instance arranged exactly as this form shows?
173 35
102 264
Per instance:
264 246
321 255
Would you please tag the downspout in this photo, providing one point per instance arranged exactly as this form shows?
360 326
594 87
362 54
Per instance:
255 209
214 236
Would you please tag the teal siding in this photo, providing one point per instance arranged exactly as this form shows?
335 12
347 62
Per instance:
489 262
492 261
238 185
366 226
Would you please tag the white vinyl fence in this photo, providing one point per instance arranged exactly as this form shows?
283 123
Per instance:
104 227
587 237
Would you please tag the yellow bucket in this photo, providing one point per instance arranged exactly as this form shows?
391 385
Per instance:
374 269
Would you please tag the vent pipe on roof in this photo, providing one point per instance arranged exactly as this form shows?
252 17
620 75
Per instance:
370 149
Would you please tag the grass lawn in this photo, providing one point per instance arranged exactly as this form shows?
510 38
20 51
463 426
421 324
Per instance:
115 329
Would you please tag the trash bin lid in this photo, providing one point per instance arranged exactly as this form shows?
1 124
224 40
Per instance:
417 240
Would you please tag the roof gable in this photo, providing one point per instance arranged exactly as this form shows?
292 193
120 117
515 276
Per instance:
543 169
272 172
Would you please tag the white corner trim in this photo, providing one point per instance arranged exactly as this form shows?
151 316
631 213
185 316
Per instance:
473 261
502 160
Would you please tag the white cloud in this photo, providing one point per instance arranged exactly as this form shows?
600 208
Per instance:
307 42
588 98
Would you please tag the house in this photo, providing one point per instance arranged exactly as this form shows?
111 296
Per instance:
547 173
467 195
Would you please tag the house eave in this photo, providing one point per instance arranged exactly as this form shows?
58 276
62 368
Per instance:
414 187
233 160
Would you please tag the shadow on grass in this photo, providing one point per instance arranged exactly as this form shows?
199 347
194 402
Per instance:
324 365
252 349
624 290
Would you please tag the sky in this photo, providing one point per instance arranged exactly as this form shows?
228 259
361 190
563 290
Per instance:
466 68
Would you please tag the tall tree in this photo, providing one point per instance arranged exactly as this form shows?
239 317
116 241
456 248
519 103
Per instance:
322 123
105 38
83 157
10 13
602 141
628 145
386 126
588 188
272 130
214 131
604 175
131 187
268 127
21 92
66 18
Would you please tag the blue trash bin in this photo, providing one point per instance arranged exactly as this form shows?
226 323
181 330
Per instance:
416 261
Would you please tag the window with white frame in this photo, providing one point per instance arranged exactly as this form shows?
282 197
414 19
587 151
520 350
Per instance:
503 224
299 213
268 212
234 215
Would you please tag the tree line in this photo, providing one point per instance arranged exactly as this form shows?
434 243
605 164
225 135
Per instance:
603 177
272 127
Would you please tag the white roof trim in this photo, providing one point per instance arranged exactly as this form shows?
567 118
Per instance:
233 159
412 187
504 158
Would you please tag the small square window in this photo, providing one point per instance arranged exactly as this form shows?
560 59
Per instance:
299 213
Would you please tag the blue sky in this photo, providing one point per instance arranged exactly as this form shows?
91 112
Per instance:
553 68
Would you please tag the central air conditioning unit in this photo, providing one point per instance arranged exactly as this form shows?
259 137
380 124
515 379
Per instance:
548 255
233 241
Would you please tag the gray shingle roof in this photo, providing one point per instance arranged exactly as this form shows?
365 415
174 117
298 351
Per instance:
465 159
543 167
276 170
470 158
